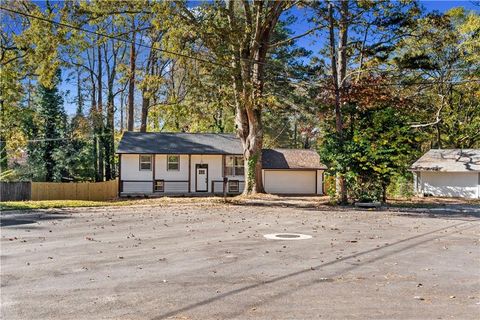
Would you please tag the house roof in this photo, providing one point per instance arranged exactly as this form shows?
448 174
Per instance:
291 159
214 143
449 160
179 143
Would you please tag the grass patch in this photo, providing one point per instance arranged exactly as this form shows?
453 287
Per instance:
47 204
429 202
51 204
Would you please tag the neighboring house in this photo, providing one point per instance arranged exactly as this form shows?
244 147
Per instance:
448 173
198 163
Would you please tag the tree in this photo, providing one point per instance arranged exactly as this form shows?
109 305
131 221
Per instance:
379 146
33 51
360 34
443 54
237 36
52 127
131 78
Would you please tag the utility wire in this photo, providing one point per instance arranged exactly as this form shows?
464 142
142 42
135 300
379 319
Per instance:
100 34
62 139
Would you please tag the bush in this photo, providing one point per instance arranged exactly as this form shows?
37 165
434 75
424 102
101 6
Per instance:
401 187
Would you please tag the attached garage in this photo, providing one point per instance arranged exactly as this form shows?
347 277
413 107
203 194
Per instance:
448 173
296 172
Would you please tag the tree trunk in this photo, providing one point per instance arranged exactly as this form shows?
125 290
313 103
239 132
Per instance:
144 115
109 136
131 82
439 141
252 146
3 143
122 110
79 111
93 113
338 83
99 118
384 193
48 158
145 93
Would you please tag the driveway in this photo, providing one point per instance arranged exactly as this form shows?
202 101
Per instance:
211 261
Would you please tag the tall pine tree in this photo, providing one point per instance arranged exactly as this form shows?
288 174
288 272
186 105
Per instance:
52 127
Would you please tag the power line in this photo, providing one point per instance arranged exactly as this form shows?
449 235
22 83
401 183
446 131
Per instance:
100 34
62 139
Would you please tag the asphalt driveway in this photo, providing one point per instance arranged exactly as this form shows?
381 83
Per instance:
211 261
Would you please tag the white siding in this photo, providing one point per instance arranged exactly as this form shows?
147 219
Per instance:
161 172
130 168
137 187
319 182
448 184
176 187
218 186
214 163
241 186
290 181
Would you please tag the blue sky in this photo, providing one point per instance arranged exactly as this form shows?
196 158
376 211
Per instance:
310 42
313 42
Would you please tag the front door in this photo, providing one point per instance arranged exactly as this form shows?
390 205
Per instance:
202 178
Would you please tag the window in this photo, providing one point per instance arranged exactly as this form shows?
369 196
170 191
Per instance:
234 166
233 186
173 163
239 166
145 162
159 186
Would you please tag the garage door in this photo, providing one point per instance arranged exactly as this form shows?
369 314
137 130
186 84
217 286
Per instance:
450 184
289 181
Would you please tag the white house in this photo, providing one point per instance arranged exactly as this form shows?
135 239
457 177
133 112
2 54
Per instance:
200 163
448 173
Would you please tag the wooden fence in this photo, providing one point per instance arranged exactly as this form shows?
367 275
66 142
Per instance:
94 191
15 191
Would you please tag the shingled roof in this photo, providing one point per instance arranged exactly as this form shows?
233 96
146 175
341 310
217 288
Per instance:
179 143
214 143
449 160
291 159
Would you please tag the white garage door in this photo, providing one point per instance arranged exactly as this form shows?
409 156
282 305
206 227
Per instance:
450 184
289 181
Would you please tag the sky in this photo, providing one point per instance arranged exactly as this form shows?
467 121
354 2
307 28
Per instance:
311 42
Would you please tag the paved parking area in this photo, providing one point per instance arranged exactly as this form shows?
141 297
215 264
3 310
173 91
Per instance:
211 261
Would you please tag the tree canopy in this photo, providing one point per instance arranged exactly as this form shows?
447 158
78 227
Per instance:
376 84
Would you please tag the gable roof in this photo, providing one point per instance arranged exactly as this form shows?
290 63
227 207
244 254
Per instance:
214 143
291 159
449 160
179 143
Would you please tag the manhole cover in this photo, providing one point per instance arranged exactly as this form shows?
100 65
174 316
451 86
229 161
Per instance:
287 236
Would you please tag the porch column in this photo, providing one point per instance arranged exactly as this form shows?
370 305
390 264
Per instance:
224 159
189 173
119 174
153 172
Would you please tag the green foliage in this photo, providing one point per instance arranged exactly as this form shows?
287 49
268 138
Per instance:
444 51
401 186
49 204
46 129
378 146
389 42
251 165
